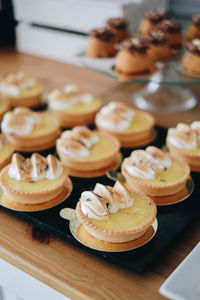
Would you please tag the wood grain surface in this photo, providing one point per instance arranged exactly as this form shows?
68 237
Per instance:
62 266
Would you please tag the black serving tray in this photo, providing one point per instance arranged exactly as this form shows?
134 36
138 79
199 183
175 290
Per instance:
172 220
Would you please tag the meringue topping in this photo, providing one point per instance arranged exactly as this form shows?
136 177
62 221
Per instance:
69 96
145 164
15 83
115 116
77 142
98 204
20 121
183 136
35 168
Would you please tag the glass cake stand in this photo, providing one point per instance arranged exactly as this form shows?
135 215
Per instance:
165 90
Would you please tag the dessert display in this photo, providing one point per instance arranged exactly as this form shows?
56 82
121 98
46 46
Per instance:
193 30
119 28
172 29
184 142
83 150
154 172
133 58
73 106
33 181
4 106
6 151
30 131
191 59
101 43
115 214
152 20
131 127
21 90
159 49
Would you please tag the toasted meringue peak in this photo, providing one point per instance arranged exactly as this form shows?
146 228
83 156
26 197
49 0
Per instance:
182 137
13 84
35 168
115 116
98 204
20 121
69 96
77 142
147 163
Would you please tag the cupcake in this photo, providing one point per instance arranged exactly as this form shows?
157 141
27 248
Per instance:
183 142
101 43
191 59
21 89
73 106
119 28
152 20
131 127
193 30
114 214
154 172
172 29
133 59
83 149
31 181
29 131
158 47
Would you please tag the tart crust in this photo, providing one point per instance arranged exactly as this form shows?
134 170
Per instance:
6 106
156 189
30 197
68 119
84 164
131 138
117 236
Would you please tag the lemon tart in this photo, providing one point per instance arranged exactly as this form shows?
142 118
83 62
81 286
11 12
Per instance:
115 214
154 172
73 106
21 89
4 106
87 150
184 142
30 131
6 151
131 127
33 180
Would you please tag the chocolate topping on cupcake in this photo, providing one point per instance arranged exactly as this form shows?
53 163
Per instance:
196 20
194 46
154 37
117 23
135 45
102 33
170 25
156 15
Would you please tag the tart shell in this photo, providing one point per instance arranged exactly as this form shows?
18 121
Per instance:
117 236
155 189
6 104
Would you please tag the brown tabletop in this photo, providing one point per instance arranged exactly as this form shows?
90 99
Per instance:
62 266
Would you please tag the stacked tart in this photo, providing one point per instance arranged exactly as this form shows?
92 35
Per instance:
131 127
30 131
73 106
82 149
114 214
33 180
184 142
21 89
154 172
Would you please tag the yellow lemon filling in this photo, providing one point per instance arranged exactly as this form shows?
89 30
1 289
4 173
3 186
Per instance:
128 218
172 174
48 124
138 122
83 107
30 185
29 92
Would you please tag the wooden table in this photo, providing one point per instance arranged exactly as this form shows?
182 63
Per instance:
62 266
